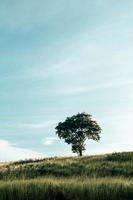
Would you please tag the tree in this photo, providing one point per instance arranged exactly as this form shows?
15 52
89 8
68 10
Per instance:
76 129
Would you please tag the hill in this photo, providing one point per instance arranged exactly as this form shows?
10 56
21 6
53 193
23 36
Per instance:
108 176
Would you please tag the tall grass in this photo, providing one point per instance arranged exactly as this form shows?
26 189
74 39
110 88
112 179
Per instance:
104 177
66 189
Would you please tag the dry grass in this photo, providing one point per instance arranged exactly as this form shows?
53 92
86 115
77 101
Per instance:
104 177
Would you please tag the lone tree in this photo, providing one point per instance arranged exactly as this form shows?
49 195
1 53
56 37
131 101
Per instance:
76 129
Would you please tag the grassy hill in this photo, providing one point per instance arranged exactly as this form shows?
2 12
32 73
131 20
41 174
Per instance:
93 177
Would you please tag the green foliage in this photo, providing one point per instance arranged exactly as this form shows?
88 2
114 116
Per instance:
76 129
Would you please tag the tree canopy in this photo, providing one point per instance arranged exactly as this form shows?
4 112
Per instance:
76 129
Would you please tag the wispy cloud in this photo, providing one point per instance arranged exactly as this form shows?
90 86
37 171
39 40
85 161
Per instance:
37 125
40 125
9 152
82 89
50 140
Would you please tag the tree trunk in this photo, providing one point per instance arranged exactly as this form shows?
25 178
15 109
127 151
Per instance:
80 152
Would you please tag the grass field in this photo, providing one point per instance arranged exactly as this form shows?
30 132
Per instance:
101 177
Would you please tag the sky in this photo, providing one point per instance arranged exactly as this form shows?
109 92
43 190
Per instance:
58 58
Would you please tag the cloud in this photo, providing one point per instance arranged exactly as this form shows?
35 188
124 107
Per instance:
50 140
38 125
41 125
10 152
82 89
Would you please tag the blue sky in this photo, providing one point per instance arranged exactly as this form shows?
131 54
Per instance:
58 58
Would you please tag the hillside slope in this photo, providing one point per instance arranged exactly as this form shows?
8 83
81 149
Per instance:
103 177
116 164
